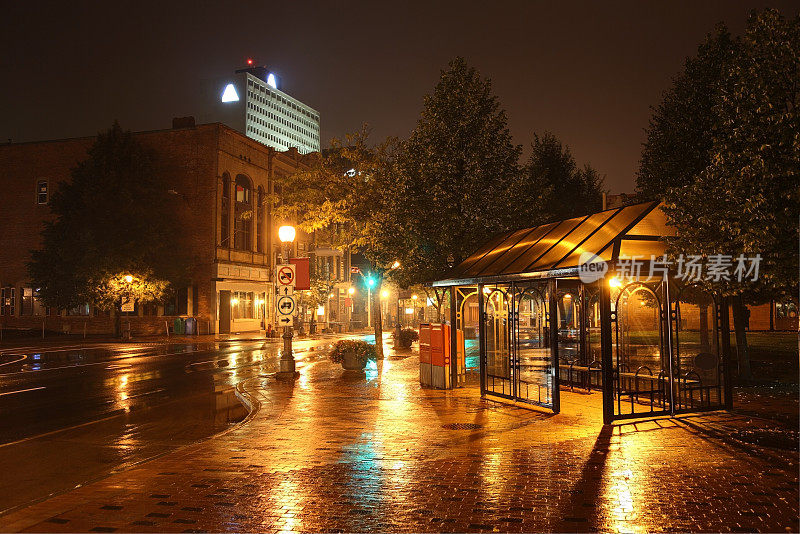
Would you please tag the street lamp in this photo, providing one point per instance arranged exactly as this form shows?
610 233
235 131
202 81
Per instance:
287 234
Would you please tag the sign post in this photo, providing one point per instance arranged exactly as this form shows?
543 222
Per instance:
286 307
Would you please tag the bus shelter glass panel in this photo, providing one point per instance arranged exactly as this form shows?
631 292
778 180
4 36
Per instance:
591 354
467 326
569 305
497 341
698 365
532 359
641 366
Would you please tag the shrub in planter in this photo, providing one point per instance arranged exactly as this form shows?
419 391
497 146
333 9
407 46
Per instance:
407 337
352 353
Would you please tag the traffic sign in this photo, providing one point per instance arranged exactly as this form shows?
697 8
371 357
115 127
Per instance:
285 291
285 320
128 305
285 275
286 306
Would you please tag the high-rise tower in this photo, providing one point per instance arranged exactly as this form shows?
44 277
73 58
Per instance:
252 102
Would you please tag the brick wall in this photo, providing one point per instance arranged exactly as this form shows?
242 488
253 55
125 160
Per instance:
191 161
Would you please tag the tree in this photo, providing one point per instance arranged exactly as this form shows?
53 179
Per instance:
746 200
455 175
113 232
554 180
322 284
680 132
349 191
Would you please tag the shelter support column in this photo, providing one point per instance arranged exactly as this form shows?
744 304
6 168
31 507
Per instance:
481 339
723 316
453 337
605 351
667 316
553 306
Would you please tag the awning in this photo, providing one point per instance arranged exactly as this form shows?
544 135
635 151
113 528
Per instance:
555 249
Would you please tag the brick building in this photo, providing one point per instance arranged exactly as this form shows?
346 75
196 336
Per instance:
221 181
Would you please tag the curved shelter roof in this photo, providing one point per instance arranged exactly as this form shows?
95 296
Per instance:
555 249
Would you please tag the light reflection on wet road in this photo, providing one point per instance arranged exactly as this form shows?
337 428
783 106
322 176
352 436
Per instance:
68 416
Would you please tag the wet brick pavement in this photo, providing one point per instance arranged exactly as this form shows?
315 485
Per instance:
376 452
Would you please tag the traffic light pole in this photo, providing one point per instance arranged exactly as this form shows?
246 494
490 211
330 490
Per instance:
369 306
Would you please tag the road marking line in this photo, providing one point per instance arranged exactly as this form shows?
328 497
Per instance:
22 390
15 361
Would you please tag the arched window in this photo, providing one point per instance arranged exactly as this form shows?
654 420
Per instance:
243 214
260 221
225 230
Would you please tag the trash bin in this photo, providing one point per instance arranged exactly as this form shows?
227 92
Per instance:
178 326
190 327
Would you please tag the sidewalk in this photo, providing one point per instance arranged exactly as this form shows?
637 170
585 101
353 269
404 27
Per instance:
333 452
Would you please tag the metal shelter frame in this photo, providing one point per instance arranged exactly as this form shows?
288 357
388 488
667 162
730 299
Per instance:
663 348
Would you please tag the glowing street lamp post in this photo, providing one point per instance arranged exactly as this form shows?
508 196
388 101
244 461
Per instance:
287 368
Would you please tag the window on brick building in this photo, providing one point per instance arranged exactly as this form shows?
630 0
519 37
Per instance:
243 214
242 305
225 231
7 300
27 301
82 310
41 192
261 220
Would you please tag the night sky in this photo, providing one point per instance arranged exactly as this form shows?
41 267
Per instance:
587 71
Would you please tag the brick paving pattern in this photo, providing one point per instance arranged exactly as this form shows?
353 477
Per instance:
375 452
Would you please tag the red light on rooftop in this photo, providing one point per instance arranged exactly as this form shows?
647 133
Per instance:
249 61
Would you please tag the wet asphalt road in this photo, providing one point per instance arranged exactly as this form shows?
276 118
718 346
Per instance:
71 414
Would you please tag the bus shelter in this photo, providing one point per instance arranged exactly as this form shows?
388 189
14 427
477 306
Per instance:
545 308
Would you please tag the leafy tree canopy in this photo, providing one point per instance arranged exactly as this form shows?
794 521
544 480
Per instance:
746 200
680 133
113 219
456 175
554 180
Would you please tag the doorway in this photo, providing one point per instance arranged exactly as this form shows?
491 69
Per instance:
224 312
516 337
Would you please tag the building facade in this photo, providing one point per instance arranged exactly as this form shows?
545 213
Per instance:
222 183
252 102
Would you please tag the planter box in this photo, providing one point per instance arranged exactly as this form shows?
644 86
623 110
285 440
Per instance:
351 362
